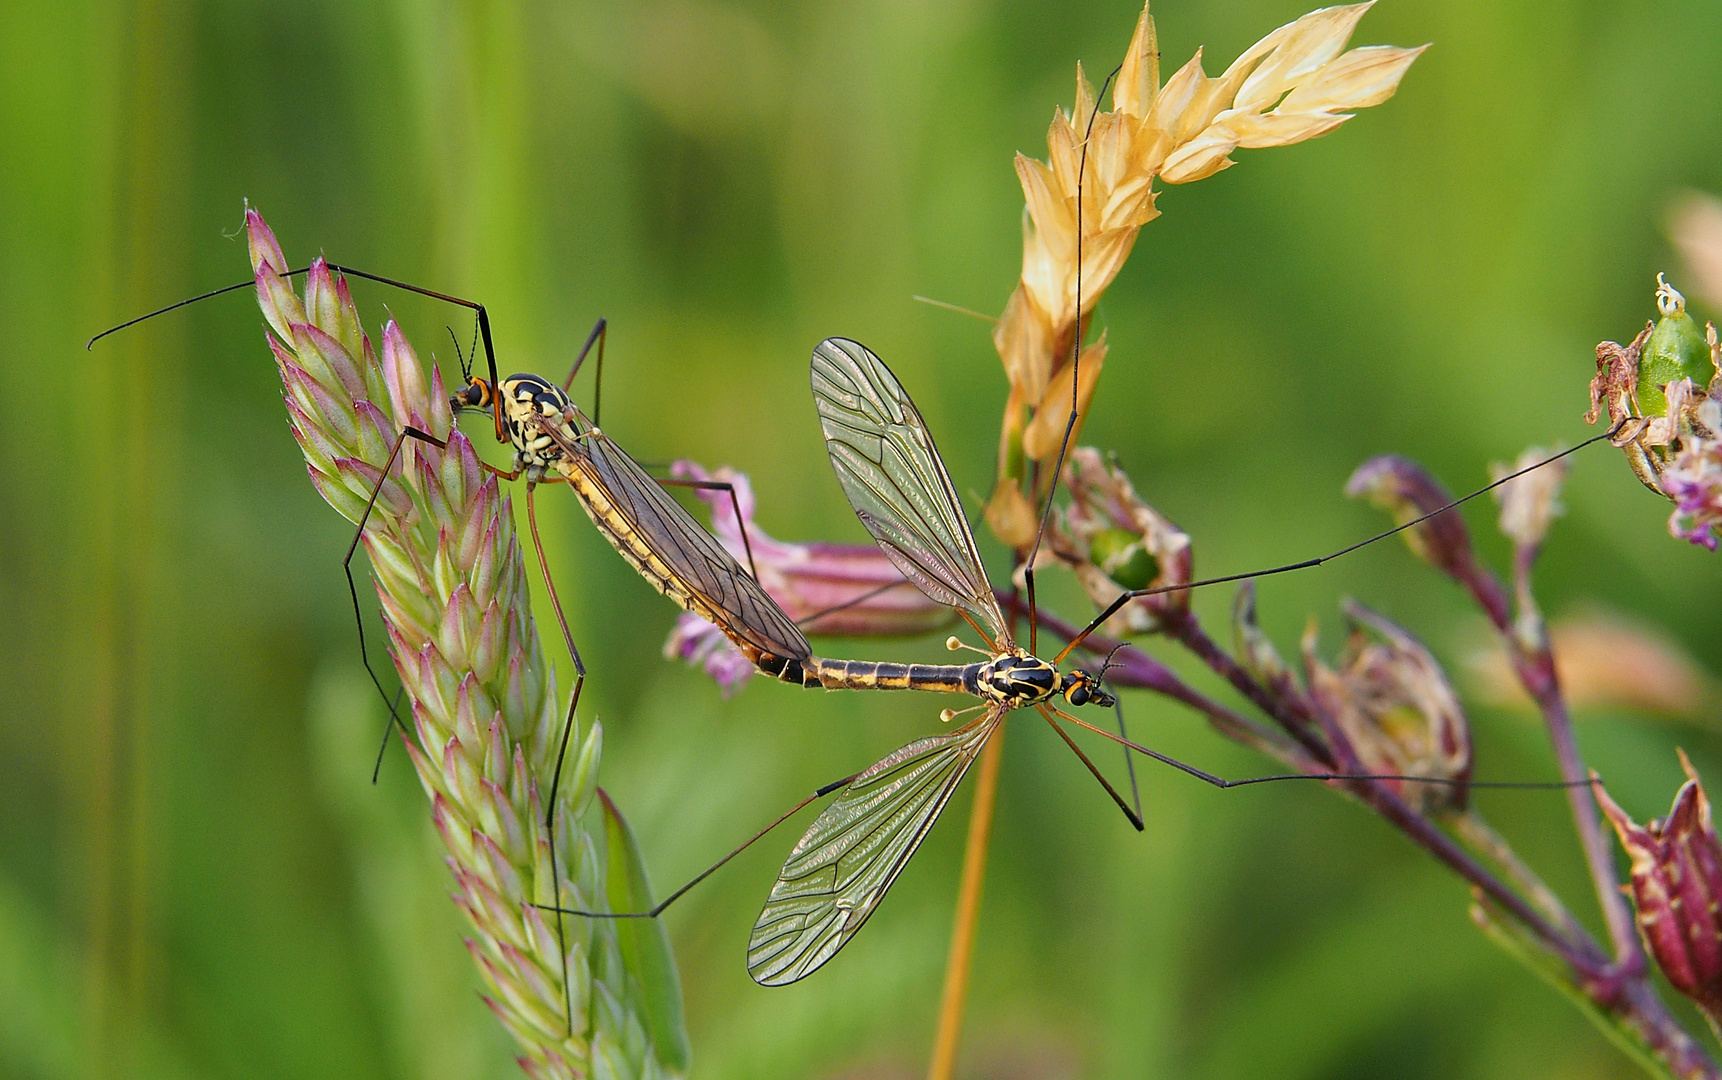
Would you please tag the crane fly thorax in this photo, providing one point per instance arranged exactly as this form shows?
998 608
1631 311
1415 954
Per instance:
528 404
1018 678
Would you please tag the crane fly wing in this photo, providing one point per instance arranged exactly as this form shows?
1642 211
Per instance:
888 466
738 605
841 868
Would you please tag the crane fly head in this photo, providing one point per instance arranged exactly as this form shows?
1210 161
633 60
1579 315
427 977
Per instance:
1081 688
477 394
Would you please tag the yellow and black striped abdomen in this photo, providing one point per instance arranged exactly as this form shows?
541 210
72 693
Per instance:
872 675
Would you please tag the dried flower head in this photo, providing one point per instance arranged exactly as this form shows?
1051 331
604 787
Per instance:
1394 705
1654 389
1114 541
1531 501
1677 887
486 711
846 590
1292 85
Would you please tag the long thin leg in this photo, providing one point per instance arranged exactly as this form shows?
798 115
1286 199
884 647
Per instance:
353 591
544 568
550 831
1075 344
714 867
353 588
567 729
388 729
1221 782
1129 762
807 620
1135 818
600 331
473 305
1033 609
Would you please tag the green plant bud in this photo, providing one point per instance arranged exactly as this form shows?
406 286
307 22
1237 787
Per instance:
1676 350
1121 555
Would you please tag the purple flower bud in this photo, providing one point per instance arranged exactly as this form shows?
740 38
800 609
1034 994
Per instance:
1676 885
1401 487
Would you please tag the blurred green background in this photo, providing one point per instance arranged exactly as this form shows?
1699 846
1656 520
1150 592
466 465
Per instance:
197 878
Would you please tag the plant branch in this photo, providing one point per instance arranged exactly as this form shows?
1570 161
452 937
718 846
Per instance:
1534 664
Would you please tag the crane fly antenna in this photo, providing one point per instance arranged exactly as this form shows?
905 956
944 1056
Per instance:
465 368
1127 596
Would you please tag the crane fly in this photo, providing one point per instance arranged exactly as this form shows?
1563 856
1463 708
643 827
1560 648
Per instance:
842 867
888 466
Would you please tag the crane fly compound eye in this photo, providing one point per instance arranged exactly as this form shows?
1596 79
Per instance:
475 396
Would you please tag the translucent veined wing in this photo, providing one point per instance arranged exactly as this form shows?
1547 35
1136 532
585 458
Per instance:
889 468
641 509
848 858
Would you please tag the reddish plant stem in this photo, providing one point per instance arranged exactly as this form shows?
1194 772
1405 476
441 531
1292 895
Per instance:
1534 663
1644 1011
1580 952
1187 632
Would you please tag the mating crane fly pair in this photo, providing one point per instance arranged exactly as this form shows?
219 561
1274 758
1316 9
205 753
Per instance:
886 462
